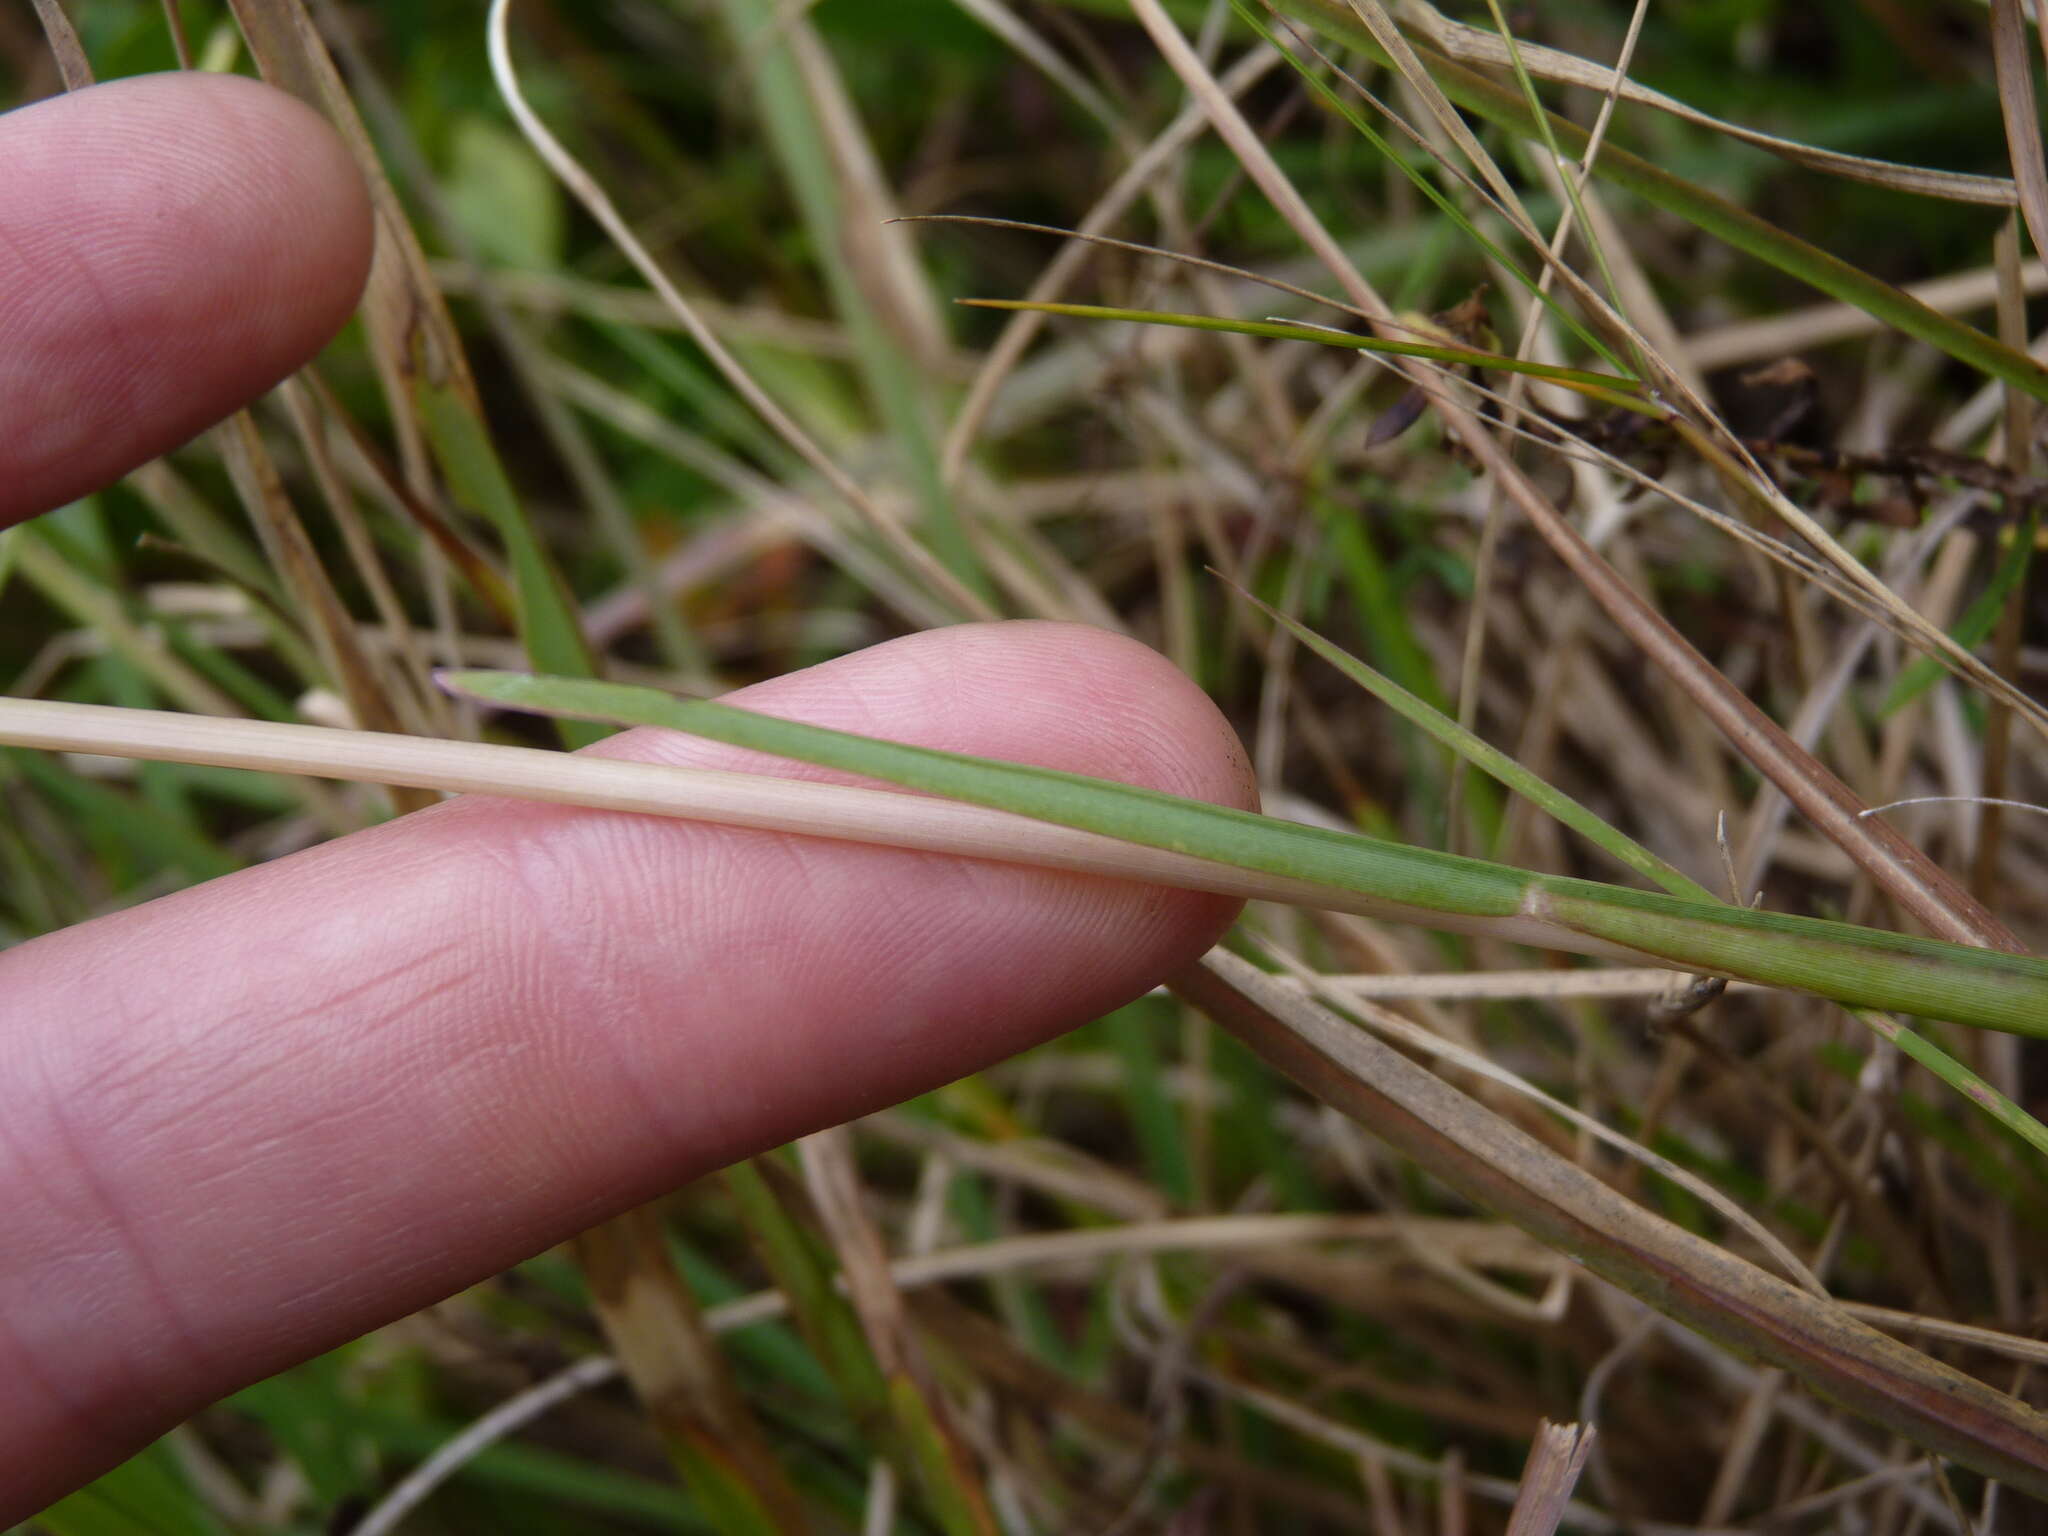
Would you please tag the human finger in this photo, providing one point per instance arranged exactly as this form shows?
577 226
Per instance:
256 1118
170 247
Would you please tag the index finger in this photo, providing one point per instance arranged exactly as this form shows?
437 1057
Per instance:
170 247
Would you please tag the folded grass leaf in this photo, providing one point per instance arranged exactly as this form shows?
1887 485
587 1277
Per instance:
1862 967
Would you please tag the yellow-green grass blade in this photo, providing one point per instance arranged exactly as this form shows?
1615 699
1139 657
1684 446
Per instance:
1862 967
1489 759
1608 388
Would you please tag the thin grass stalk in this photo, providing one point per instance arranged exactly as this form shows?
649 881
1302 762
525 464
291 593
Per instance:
292 555
1572 183
2020 415
923 1419
1609 389
1683 1276
2011 60
404 677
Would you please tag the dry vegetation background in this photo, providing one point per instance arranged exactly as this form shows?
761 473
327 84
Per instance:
1140 1280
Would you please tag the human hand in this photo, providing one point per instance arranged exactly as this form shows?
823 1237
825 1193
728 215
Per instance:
251 1120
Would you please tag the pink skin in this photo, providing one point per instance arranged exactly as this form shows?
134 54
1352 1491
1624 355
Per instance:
254 1119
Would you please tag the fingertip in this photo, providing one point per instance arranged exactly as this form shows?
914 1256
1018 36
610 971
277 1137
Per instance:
170 247
1059 695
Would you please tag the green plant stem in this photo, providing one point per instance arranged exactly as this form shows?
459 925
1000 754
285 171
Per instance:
1862 967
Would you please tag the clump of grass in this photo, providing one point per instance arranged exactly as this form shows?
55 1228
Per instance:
1266 1250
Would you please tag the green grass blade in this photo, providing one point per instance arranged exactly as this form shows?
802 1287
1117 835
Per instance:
798 132
1567 175
1976 623
548 625
1862 967
1491 760
147 1495
1959 1077
956 1503
822 1315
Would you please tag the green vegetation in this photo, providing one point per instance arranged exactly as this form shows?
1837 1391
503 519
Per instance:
1722 503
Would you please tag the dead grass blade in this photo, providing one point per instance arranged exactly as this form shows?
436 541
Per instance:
924 1419
1442 113
880 257
2012 59
682 1379
1741 1307
73 68
413 338
1555 1462
292 555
